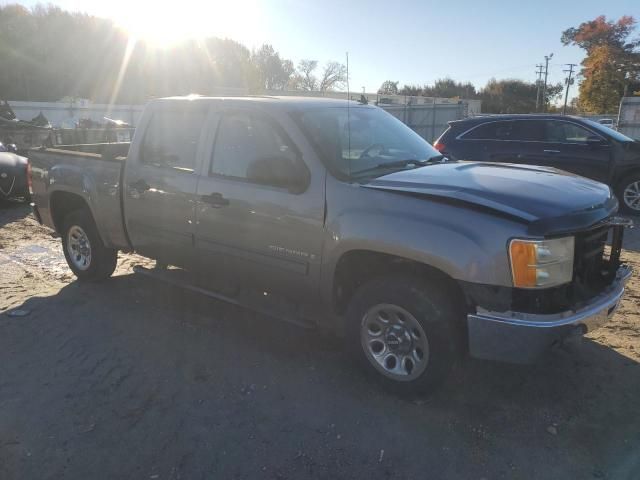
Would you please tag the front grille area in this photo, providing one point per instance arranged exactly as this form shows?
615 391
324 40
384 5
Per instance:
595 265
594 268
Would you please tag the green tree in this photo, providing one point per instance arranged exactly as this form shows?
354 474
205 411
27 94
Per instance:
388 87
612 62
442 88
273 72
47 53
514 96
449 88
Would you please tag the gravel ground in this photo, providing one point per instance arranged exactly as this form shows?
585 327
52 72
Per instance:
132 379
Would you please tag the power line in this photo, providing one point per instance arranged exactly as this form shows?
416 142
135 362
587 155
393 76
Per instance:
569 81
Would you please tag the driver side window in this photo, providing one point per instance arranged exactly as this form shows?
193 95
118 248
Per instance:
565 132
249 147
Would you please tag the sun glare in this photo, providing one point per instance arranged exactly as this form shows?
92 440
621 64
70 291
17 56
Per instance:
163 24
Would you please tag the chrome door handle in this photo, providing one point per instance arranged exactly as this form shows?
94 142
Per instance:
551 151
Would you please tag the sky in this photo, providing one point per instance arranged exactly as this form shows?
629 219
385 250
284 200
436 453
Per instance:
410 41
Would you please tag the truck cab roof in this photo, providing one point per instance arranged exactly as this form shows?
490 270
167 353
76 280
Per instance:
283 101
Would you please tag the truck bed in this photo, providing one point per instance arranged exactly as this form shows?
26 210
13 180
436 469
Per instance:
92 172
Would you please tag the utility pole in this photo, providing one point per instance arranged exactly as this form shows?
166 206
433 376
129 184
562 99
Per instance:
538 84
546 74
569 82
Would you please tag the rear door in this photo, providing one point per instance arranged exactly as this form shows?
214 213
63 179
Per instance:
493 141
255 229
160 182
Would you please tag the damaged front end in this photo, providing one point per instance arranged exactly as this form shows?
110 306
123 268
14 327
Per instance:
518 325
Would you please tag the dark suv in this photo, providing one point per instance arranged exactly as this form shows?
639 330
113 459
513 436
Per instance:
568 143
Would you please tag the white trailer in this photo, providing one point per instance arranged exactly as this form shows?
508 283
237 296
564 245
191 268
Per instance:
629 117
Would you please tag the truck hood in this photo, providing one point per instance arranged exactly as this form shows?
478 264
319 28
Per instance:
549 200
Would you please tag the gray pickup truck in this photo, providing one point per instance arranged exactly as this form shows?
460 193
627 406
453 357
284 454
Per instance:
335 214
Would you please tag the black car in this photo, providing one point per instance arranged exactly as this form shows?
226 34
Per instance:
568 143
13 174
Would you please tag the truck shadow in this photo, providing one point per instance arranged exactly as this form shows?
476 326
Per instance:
131 337
12 210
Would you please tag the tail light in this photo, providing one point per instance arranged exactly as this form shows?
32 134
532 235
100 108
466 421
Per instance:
29 178
439 146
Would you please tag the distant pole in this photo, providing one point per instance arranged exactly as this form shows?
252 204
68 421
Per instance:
546 74
538 85
348 114
568 80
347 56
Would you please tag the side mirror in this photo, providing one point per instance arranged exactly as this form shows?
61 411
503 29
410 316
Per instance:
279 171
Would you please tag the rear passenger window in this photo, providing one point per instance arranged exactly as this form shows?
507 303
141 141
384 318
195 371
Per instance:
490 131
248 144
528 130
565 132
171 139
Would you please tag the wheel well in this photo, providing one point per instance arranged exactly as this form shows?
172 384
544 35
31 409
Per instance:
63 203
622 176
356 267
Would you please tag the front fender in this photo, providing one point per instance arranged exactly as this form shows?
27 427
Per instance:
463 243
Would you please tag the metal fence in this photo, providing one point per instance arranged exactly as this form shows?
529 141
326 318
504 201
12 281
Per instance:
428 121
425 115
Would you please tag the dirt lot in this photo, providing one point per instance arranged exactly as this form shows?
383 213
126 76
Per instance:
134 379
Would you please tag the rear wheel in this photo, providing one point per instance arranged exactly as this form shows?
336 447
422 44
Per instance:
84 251
629 194
404 331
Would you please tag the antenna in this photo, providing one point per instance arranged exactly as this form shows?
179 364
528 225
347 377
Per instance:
348 118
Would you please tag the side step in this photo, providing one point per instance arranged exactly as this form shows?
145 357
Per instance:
163 276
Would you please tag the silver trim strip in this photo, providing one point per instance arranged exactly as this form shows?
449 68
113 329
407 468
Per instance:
460 136
604 302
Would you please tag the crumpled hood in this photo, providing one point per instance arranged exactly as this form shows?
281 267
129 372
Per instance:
550 200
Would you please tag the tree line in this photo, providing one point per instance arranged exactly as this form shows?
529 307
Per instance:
611 67
498 96
47 53
610 70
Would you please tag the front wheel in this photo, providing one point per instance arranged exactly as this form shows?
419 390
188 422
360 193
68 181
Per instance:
84 251
404 331
629 194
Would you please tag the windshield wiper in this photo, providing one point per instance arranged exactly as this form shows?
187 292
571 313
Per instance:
401 163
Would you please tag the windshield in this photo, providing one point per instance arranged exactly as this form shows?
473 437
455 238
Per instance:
608 131
365 139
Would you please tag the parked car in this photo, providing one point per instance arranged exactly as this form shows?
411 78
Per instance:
339 216
13 174
568 143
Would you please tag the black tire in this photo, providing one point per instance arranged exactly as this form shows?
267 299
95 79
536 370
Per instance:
102 261
620 193
433 307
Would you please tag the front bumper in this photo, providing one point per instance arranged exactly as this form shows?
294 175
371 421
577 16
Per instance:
523 337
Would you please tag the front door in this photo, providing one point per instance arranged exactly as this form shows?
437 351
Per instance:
251 225
160 183
566 147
